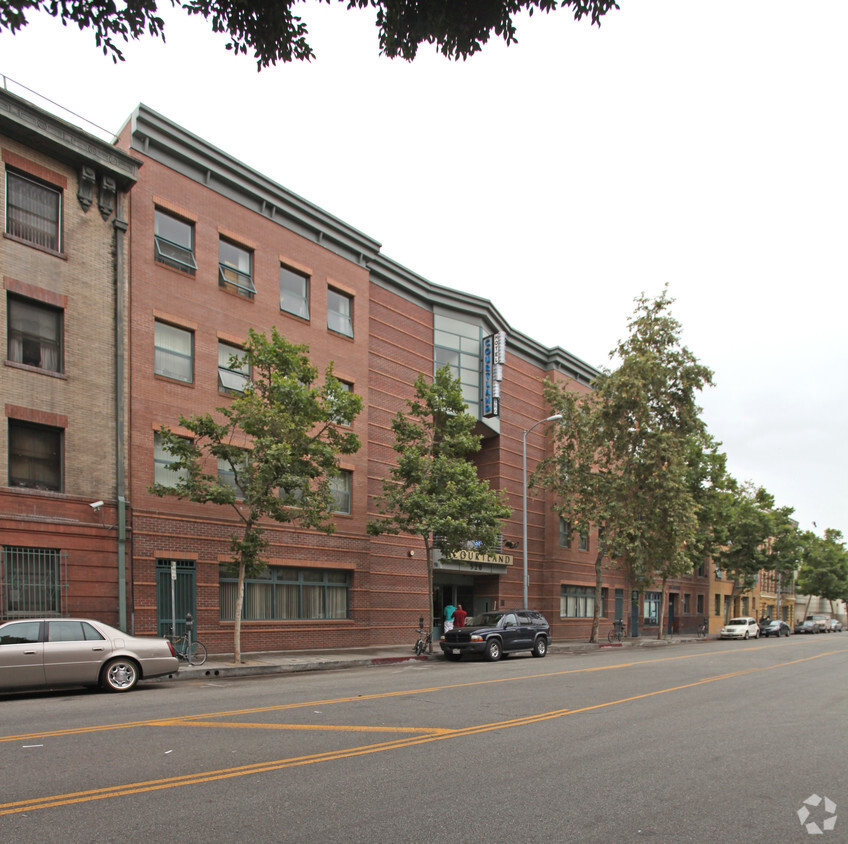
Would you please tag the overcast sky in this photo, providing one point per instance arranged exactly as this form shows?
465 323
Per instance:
699 143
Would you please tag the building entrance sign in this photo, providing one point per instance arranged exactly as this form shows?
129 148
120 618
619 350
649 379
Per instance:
472 561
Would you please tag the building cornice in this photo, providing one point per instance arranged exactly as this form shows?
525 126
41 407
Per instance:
40 130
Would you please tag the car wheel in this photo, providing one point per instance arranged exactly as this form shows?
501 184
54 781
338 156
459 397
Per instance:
119 675
494 651
746 635
541 647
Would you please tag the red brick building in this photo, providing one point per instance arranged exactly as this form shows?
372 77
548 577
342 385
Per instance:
216 249
62 319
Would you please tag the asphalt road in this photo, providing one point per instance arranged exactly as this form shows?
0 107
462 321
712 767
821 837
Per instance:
714 742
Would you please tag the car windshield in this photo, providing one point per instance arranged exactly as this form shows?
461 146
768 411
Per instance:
485 619
737 622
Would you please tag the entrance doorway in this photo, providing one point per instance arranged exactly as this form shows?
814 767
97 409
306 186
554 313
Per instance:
184 595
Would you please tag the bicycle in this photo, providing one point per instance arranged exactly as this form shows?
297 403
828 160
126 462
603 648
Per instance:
192 652
423 642
617 632
702 630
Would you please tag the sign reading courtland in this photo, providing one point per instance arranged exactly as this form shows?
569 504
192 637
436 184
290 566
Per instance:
474 557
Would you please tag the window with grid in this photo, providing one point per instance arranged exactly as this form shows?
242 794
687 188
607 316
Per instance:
32 581
282 593
456 344
340 312
233 369
294 292
34 211
173 242
34 334
35 456
173 355
577 602
564 533
162 461
235 269
340 486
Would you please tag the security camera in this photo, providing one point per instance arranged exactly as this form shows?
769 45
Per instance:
96 505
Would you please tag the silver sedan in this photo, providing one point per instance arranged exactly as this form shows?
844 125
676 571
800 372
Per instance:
52 652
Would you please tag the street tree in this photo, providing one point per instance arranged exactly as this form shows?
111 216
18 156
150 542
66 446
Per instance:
433 491
271 453
272 32
824 570
624 454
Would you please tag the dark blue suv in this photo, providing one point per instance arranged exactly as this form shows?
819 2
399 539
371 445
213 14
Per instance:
495 634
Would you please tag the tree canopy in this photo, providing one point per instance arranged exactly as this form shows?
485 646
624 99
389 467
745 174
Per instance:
272 32
824 571
625 455
273 454
434 491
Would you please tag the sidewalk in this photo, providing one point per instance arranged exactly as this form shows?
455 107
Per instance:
287 662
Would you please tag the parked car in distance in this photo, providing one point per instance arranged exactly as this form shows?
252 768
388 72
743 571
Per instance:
821 621
807 627
774 628
743 627
835 625
54 652
496 634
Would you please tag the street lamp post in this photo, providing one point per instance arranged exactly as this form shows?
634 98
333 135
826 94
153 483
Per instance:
524 493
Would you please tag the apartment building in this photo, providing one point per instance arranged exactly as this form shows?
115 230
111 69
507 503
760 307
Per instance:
63 322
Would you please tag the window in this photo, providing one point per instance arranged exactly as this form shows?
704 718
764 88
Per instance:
583 541
346 387
35 334
173 352
651 608
34 211
162 460
71 631
340 488
32 581
227 475
35 456
717 605
339 312
577 602
700 609
687 604
21 633
174 242
283 593
457 344
564 533
294 292
233 369
235 269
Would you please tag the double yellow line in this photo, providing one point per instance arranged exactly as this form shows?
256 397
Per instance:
419 736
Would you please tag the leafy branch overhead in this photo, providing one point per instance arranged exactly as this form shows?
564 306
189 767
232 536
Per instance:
272 32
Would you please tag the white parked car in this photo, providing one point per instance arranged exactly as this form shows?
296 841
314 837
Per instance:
743 627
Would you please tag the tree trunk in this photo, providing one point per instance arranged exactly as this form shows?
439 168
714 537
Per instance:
663 600
237 625
599 579
429 552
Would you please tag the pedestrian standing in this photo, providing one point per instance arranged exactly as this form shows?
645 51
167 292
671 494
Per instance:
450 609
459 616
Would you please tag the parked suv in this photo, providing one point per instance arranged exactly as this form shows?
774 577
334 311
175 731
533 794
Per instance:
822 622
495 634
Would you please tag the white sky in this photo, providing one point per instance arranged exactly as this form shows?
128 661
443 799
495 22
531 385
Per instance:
696 142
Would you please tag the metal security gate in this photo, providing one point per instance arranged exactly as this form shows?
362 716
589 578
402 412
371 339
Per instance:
33 582
184 592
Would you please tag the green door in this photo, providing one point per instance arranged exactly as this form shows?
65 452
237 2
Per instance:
184 595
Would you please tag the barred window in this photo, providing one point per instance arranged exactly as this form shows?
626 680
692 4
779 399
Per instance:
34 211
31 581
283 593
